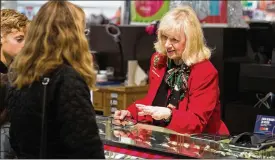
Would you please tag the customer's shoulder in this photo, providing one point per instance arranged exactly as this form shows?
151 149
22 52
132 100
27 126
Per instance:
66 74
67 71
67 78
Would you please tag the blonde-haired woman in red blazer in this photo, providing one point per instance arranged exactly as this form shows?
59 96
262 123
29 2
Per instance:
184 92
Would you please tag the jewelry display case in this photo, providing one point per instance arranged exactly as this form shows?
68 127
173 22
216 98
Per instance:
147 141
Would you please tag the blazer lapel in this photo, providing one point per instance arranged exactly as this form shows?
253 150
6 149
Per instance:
157 76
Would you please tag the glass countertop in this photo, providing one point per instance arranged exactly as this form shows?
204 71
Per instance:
158 139
154 138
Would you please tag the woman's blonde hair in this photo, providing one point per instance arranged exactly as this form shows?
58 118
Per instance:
184 20
56 36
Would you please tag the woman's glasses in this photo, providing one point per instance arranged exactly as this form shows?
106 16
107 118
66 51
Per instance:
87 31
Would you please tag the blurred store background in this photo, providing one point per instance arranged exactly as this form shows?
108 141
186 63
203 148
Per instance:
241 34
210 12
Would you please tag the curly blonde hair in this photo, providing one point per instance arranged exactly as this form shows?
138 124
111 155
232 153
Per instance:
55 37
11 19
183 20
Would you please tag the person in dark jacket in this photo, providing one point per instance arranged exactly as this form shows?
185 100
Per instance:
56 50
13 30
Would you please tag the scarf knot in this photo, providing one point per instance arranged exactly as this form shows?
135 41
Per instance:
177 78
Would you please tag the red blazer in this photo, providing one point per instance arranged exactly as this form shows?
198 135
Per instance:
199 111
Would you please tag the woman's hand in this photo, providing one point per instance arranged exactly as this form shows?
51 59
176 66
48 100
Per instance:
157 113
120 115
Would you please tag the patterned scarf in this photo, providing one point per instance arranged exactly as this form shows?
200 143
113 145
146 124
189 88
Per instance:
177 78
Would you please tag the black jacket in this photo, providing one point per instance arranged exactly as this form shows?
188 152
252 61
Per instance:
3 83
71 124
3 90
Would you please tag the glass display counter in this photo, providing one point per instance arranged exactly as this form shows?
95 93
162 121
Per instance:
147 141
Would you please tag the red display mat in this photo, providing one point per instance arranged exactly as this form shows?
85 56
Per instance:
134 153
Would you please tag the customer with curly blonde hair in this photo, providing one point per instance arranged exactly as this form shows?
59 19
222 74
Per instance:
13 30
